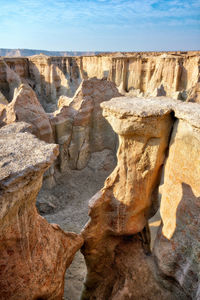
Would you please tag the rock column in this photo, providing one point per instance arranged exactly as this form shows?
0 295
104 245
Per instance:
117 239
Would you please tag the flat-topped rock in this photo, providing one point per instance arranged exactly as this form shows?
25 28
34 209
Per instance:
140 107
22 153
130 115
34 254
189 112
146 107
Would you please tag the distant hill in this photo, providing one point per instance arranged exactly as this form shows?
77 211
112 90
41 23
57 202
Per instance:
30 52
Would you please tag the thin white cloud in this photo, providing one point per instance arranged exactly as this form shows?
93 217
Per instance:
113 13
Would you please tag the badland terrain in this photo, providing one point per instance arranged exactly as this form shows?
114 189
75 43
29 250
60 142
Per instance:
100 154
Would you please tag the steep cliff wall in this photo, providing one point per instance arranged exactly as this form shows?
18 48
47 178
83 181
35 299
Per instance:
177 247
117 239
148 74
79 127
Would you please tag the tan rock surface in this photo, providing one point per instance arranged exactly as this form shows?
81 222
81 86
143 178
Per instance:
53 77
26 107
3 99
80 128
33 254
127 273
174 74
64 101
177 248
128 198
67 205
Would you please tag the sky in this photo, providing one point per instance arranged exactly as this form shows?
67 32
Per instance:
100 25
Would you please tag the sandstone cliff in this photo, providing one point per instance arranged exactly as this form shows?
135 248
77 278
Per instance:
34 254
173 74
177 247
158 143
117 239
79 127
26 107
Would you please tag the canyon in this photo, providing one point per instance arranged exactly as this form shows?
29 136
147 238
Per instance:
115 133
142 74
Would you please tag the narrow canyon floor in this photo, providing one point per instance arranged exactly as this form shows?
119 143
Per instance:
66 204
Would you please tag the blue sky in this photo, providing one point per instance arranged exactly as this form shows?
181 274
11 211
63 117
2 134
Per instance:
112 25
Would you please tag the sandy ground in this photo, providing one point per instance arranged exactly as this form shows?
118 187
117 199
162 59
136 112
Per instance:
66 204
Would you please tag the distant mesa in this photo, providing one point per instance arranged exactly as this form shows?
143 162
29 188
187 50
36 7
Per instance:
30 52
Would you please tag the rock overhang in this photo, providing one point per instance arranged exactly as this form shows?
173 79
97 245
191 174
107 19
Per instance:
22 153
122 107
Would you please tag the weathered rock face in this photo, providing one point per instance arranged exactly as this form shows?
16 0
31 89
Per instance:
123 271
129 197
177 248
177 74
26 107
3 99
144 131
117 238
53 77
80 128
145 74
9 78
33 254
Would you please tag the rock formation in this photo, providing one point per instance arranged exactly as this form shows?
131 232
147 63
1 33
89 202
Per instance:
174 74
33 253
177 248
159 142
129 197
177 74
3 99
79 126
116 248
26 107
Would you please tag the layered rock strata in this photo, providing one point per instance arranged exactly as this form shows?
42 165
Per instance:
148 74
78 125
117 240
34 254
152 74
